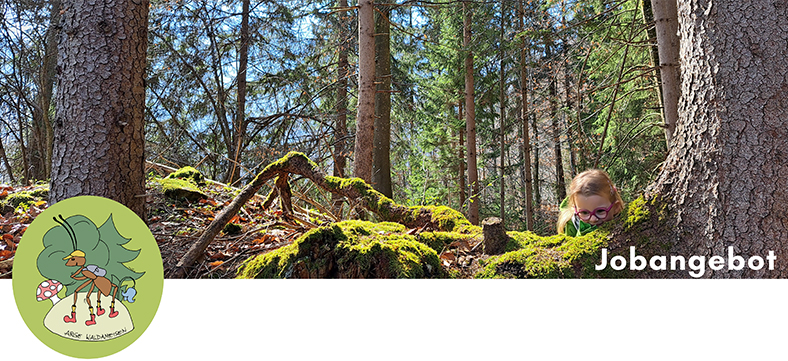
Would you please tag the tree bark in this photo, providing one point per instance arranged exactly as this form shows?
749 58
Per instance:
560 183
537 179
239 125
461 158
502 113
470 119
40 150
365 122
381 155
6 163
570 133
340 126
526 136
665 16
98 143
725 178
495 237
651 30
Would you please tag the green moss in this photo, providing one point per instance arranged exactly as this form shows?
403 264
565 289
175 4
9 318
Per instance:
402 256
281 163
190 174
443 218
348 249
19 199
529 262
232 228
637 212
42 193
180 189
448 219
556 256
439 241
520 240
531 256
366 228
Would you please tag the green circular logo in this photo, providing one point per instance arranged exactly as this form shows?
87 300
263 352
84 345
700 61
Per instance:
87 277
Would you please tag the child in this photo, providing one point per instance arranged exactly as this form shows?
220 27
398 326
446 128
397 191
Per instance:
592 200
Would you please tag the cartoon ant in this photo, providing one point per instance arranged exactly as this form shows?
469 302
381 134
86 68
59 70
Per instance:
95 276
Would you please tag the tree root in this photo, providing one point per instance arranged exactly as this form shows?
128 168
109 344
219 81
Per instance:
354 189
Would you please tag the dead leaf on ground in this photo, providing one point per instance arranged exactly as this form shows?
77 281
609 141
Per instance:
448 256
9 241
6 254
463 245
265 238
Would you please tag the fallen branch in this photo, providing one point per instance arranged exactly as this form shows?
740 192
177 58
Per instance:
441 218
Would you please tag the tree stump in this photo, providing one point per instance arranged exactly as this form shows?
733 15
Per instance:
495 237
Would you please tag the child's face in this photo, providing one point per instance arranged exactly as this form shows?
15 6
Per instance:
594 205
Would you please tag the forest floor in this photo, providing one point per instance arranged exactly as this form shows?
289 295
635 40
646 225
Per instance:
176 224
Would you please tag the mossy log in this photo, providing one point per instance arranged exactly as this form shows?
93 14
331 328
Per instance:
176 188
437 218
349 249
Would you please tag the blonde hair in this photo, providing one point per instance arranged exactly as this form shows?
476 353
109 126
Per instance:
588 183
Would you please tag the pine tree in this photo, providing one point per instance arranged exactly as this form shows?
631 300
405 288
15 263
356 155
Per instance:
103 247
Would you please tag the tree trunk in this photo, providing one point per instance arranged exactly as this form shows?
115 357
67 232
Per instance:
461 158
570 133
526 137
98 143
502 112
651 30
470 119
381 161
21 120
365 122
724 181
6 163
239 125
40 146
340 126
665 16
537 178
495 237
560 184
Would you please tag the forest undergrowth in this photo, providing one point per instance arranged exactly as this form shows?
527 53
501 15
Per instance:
176 222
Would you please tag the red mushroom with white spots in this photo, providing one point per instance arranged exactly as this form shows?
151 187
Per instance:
48 290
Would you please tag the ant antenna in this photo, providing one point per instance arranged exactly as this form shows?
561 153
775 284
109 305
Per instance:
68 228
72 234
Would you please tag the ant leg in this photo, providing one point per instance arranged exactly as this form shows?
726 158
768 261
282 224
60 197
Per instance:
112 312
92 320
73 317
99 311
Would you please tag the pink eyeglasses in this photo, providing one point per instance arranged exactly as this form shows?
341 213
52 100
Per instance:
600 213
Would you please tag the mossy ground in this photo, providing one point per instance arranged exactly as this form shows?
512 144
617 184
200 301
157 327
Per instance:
188 173
180 189
560 256
349 249
20 201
